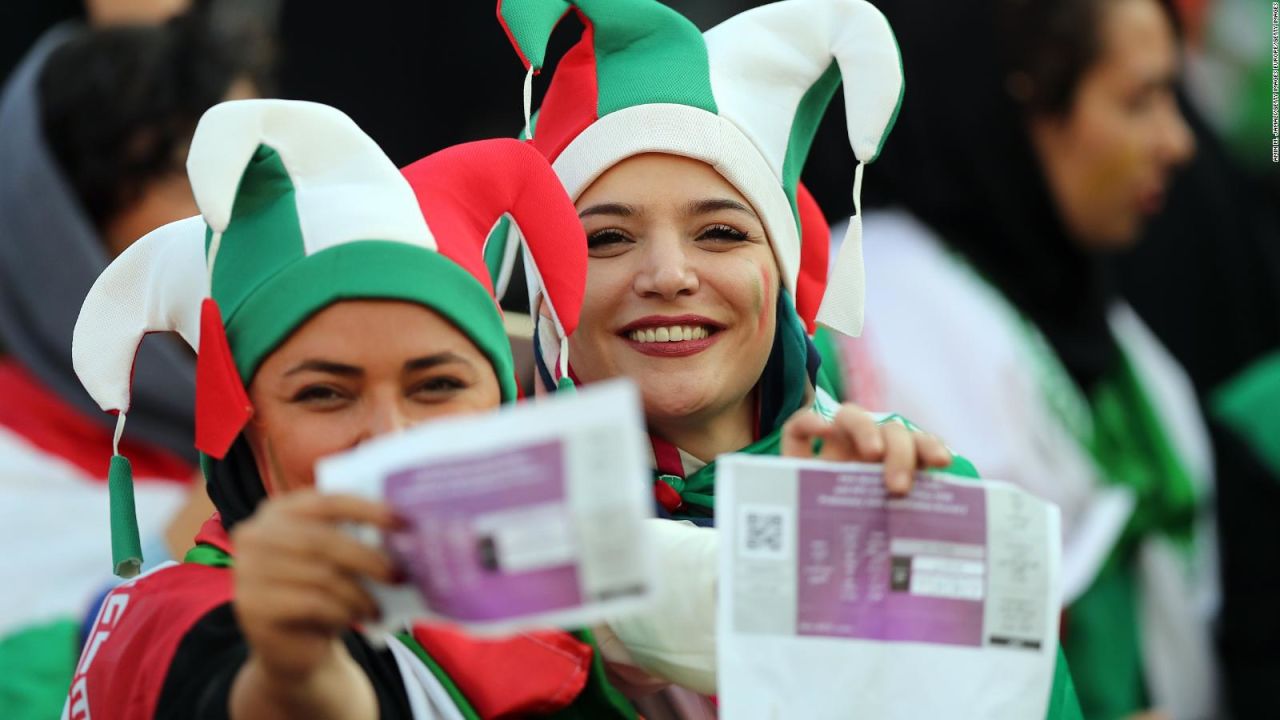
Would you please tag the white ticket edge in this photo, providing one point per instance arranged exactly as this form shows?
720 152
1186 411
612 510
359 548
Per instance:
727 504
614 404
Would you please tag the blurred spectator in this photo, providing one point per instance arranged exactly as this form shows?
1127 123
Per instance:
22 22
1207 280
1036 138
95 128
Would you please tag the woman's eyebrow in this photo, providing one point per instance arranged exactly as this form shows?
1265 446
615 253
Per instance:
710 205
616 209
326 366
429 361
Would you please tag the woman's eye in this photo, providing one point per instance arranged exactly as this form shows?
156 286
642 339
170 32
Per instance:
722 233
440 384
1146 100
606 239
318 395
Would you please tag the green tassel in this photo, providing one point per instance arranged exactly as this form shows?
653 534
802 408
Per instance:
126 546
566 385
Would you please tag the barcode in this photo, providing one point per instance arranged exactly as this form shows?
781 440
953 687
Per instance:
764 533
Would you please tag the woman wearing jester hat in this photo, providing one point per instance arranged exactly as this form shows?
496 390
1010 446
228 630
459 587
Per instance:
325 311
682 152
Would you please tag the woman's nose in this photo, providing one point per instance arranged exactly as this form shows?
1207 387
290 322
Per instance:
1177 141
667 271
386 417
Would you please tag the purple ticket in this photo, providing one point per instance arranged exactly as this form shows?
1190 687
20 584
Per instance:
874 568
489 537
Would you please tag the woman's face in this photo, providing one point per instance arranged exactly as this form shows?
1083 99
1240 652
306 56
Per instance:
681 290
1109 160
356 370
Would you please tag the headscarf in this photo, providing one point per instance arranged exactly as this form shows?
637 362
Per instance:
50 255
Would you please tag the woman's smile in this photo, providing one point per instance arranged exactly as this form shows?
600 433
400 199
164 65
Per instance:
671 336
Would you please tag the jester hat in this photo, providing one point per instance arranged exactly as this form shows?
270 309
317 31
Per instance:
745 97
299 210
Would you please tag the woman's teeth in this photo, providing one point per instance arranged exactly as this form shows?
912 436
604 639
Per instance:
675 333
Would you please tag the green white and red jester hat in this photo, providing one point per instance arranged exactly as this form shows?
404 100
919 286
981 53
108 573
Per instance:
745 97
299 210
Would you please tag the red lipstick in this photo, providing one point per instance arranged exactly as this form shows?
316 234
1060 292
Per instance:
671 348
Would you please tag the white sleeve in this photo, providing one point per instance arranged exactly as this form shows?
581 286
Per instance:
675 640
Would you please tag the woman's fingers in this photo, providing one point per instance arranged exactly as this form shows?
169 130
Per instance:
899 458
799 432
854 435
343 508
864 439
304 527
347 554
282 544
932 451
322 578
293 547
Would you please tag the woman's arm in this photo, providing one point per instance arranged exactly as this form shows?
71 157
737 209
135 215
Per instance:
333 687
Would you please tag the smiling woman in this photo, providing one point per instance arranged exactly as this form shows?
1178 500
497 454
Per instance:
696 254
682 152
678 281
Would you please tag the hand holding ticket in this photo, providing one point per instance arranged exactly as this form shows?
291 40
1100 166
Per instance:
837 601
530 517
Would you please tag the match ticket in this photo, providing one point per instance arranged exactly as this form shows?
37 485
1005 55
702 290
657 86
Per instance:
837 601
529 517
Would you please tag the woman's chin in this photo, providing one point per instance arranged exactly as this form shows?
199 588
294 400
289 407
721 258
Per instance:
678 399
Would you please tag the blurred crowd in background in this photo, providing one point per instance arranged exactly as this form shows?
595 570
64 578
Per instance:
101 98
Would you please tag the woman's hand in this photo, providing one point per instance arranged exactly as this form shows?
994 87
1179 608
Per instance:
297 589
854 435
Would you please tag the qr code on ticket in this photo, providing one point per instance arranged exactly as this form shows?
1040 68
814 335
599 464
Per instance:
764 531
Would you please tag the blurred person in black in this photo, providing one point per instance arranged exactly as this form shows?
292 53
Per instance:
1206 277
94 126
1036 140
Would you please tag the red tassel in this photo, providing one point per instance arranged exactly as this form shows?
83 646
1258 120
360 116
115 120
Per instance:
222 405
